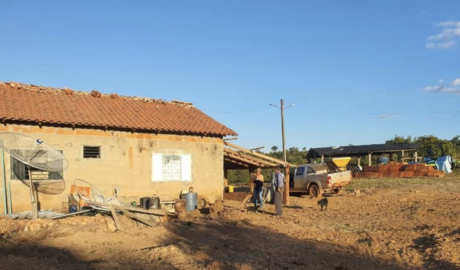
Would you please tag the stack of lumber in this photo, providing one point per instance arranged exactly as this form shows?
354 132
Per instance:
399 170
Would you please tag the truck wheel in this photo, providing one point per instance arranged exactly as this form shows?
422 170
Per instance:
313 190
337 191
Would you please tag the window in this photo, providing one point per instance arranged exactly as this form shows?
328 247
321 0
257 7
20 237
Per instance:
171 167
300 171
310 170
91 152
20 171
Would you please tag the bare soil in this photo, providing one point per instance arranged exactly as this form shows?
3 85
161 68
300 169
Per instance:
394 224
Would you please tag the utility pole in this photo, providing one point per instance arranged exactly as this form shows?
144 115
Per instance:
286 166
282 130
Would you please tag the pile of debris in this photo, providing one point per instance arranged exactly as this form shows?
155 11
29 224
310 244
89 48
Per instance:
399 170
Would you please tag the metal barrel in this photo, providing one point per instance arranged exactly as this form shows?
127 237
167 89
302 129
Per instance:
190 201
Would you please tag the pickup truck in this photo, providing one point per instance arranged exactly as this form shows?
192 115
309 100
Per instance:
317 179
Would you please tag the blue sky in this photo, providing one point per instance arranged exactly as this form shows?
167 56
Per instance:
358 72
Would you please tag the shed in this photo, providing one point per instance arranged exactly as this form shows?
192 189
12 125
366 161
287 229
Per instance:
361 150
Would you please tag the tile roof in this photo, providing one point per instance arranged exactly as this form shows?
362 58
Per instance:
38 104
356 150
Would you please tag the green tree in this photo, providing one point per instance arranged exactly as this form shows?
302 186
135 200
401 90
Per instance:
432 146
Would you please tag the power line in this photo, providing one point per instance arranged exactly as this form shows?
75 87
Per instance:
358 95
395 102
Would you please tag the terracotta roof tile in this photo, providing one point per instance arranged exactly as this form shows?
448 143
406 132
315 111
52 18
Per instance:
22 102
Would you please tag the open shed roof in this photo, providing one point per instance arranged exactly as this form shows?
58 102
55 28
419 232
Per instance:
237 157
358 150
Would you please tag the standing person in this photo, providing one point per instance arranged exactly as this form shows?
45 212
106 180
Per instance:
278 182
258 181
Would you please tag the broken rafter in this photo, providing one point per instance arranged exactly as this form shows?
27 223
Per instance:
277 161
236 162
249 159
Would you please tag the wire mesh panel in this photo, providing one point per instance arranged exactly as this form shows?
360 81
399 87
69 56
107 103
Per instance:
33 152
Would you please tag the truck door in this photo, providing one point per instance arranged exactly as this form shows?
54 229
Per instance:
299 180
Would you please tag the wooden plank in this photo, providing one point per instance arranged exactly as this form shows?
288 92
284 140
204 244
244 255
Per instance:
132 209
131 216
286 186
277 161
243 203
248 158
115 218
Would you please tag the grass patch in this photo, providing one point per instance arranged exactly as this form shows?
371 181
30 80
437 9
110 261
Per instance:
384 183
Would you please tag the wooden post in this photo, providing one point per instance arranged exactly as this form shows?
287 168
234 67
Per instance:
286 185
32 196
251 184
370 159
359 161
225 179
115 218
416 156
322 159
402 155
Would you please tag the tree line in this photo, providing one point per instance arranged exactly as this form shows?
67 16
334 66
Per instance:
430 146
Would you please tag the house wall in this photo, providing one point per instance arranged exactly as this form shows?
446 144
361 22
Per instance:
126 163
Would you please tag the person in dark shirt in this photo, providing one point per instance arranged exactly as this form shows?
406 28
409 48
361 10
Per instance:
278 183
258 180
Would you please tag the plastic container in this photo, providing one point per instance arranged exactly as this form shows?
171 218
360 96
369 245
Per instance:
230 189
191 200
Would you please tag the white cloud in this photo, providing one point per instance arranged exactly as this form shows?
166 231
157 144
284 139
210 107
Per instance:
451 88
455 82
440 81
447 45
448 37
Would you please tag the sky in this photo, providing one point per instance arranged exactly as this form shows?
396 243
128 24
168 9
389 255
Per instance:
357 72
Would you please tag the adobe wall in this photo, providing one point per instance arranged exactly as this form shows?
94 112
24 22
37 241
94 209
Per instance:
126 163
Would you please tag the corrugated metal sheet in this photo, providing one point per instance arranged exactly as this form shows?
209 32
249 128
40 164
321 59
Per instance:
356 150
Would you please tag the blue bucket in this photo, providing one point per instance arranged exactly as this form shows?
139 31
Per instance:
191 202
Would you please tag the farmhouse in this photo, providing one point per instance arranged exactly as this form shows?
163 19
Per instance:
142 146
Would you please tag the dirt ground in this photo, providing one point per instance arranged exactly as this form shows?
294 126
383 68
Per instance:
394 224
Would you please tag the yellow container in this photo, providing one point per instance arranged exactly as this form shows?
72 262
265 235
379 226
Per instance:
341 162
230 188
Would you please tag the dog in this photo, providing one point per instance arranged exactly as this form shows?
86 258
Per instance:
357 192
323 203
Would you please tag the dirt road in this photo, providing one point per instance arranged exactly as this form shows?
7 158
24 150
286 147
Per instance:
408 225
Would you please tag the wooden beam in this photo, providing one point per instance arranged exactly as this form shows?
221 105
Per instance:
131 216
236 162
255 161
230 139
286 186
132 209
115 218
243 203
278 161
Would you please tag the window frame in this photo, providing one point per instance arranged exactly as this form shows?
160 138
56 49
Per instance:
158 168
92 146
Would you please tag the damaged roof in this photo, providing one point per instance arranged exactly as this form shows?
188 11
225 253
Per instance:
45 105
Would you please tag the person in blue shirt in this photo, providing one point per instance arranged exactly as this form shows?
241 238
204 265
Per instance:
258 180
278 183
